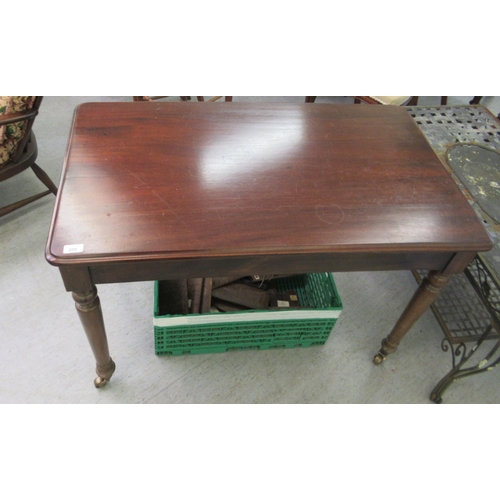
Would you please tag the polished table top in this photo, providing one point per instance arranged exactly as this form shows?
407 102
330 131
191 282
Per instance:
146 181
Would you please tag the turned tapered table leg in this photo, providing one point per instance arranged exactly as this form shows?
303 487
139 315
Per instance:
89 310
425 295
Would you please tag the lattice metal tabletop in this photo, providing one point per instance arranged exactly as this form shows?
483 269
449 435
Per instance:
447 126
467 140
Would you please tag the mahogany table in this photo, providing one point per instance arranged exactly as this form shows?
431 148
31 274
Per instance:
154 190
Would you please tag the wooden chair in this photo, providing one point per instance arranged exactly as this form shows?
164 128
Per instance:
392 100
18 148
183 98
154 97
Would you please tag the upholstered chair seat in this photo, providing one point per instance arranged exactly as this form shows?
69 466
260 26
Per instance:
18 147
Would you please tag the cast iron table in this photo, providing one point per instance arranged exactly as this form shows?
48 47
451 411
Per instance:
188 190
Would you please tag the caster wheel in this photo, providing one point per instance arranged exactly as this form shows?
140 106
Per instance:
100 382
378 359
107 371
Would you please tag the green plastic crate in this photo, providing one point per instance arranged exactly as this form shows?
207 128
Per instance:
254 329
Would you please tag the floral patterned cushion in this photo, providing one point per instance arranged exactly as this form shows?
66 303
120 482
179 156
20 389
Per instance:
11 134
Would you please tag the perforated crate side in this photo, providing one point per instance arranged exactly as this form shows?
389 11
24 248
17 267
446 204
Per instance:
220 332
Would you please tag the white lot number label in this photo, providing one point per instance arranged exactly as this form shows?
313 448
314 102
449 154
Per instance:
73 248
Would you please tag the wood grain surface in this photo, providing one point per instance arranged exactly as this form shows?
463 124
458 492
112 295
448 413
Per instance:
158 181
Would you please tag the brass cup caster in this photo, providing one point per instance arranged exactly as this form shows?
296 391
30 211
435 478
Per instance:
378 359
100 382
105 375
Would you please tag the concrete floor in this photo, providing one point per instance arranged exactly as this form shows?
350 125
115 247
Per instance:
45 357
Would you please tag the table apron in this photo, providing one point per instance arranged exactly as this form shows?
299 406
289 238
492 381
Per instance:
83 277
